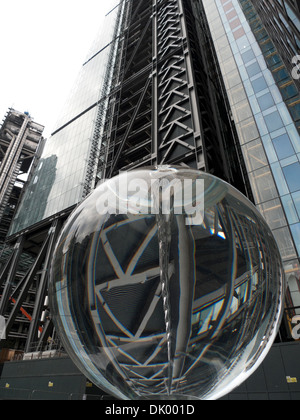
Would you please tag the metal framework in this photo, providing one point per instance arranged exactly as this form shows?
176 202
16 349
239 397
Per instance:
166 105
19 140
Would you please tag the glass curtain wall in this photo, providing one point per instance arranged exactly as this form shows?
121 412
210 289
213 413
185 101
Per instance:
268 135
58 182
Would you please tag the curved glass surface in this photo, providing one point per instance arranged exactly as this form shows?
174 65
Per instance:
152 302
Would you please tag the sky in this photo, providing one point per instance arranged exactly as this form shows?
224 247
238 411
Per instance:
43 45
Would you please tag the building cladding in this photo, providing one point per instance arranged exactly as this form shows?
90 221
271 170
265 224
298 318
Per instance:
283 27
200 83
259 95
63 174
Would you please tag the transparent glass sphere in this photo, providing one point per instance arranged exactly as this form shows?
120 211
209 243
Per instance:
166 283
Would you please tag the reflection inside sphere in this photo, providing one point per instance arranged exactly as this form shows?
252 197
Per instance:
152 306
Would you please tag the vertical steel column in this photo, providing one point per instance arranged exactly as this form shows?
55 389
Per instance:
11 275
41 293
28 280
155 160
11 158
176 107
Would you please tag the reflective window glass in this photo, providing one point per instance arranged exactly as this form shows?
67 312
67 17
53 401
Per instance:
254 155
292 175
296 199
266 101
253 69
248 56
290 209
247 130
279 179
259 84
263 186
283 146
296 235
285 243
273 213
273 121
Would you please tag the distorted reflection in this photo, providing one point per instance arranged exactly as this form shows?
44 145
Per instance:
168 310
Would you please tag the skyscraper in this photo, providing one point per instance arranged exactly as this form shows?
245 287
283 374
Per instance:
183 82
264 100
281 20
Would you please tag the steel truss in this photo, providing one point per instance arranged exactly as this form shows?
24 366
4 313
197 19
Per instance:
166 105
24 288
19 140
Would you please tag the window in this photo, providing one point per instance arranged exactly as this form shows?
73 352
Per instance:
283 147
265 101
259 84
263 186
292 175
273 213
253 69
296 235
254 155
248 56
273 121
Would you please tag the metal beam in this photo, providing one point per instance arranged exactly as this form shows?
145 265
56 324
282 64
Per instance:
40 296
27 281
11 275
117 157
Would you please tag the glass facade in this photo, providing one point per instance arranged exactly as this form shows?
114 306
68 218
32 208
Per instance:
58 182
284 26
266 127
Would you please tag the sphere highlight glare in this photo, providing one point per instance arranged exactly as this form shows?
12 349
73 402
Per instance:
169 289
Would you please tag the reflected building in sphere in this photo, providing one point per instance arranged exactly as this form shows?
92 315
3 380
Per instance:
198 83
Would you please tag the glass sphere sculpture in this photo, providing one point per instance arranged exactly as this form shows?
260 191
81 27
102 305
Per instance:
166 283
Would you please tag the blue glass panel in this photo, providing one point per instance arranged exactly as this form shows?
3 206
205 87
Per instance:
279 179
253 69
259 84
290 210
292 175
283 146
248 56
273 121
265 101
296 235
296 198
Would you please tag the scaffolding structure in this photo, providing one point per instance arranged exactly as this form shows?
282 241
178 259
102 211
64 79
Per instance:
19 140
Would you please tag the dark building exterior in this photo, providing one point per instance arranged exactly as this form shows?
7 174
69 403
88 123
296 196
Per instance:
196 83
